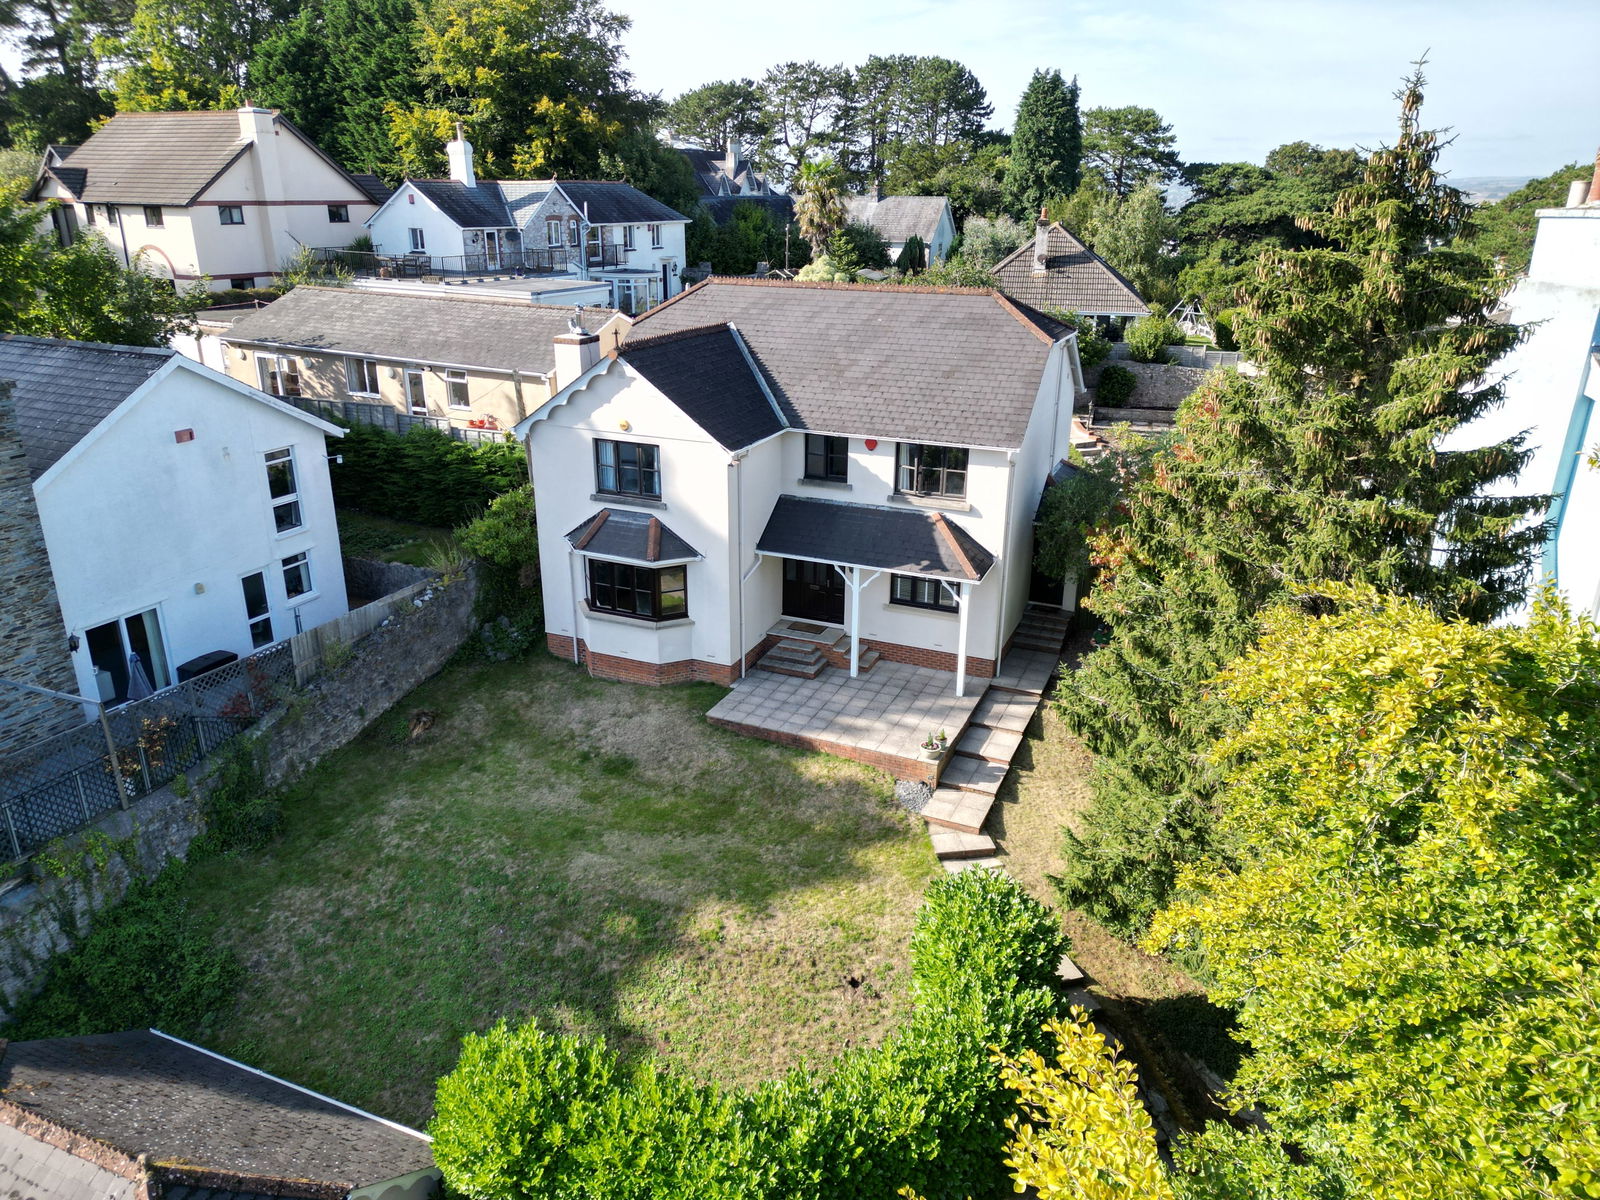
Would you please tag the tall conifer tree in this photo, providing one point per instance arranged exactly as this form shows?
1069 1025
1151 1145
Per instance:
1046 146
1328 465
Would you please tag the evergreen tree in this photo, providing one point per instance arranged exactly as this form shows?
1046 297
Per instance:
1046 146
1127 146
1328 465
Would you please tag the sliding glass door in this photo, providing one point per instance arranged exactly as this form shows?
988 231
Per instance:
130 657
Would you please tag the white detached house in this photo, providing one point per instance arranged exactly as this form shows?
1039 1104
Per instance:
759 456
184 513
587 229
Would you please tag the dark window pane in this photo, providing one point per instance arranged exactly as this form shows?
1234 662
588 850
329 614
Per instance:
287 516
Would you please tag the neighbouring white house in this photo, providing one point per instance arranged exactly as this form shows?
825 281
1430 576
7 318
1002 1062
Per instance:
226 196
1552 383
582 228
760 453
898 218
183 513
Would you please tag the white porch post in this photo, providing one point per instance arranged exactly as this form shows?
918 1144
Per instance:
853 581
960 593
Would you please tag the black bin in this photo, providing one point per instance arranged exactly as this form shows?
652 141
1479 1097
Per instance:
204 663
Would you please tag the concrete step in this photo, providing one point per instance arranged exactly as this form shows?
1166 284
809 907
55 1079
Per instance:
1042 615
796 659
1004 710
1026 671
870 659
953 843
1039 643
957 865
994 745
829 637
974 775
952 808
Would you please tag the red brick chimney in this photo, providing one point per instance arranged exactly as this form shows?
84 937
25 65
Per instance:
1594 188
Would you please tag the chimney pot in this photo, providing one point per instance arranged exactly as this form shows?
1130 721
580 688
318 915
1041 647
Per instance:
1577 193
1594 187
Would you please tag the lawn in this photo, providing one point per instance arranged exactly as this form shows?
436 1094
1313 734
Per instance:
592 854
387 540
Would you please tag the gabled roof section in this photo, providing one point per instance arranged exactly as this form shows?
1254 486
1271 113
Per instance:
453 330
373 188
64 389
897 218
635 536
903 540
480 207
705 372
779 207
1075 278
521 197
610 203
955 366
155 158
182 1108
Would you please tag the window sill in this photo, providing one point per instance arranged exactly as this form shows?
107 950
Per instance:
636 501
288 533
614 618
836 484
366 395
892 607
948 502
303 598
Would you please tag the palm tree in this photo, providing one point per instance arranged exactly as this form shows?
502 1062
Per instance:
820 209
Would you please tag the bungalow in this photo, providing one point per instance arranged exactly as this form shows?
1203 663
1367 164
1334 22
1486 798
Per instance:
183 513
589 229
898 218
759 453
470 361
228 197
1055 271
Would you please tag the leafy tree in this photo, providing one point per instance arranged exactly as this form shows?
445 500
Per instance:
819 211
714 114
1046 146
1149 337
911 116
1326 465
958 271
642 159
335 67
1127 147
1404 901
968 176
59 97
187 54
984 242
751 236
538 83
1083 504
805 107
865 246
1134 234
1505 229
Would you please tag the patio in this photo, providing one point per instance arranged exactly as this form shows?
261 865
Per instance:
877 718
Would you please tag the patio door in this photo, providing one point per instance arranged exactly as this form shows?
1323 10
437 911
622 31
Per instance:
812 592
112 649
491 249
416 392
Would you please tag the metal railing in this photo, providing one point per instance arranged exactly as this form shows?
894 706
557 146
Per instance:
61 784
354 412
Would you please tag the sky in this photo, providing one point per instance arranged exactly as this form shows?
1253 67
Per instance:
1515 79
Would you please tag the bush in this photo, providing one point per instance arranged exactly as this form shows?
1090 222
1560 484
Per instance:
866 243
240 812
1149 337
529 1113
144 963
424 476
1093 346
505 541
1116 386
913 256
242 296
1222 330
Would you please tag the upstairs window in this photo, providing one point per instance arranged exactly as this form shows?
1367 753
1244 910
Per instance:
284 489
231 214
627 237
574 232
655 236
418 241
279 374
361 376
649 593
827 458
931 470
627 469
338 214
920 593
297 575
152 216
89 211
455 383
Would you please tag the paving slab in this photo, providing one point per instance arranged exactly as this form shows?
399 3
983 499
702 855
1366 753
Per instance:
957 865
957 809
1028 671
996 745
1005 710
974 775
954 843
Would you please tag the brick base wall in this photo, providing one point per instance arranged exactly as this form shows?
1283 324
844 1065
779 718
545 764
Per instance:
626 670
934 660
914 769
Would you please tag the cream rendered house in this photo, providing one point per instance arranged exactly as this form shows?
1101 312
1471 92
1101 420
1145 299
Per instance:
473 362
759 454
225 196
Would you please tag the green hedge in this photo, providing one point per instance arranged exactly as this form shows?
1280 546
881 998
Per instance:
1115 387
425 476
528 1113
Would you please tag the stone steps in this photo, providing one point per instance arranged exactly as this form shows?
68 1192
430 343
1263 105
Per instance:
1027 671
800 660
1042 643
957 865
956 843
994 745
974 775
1004 710
954 808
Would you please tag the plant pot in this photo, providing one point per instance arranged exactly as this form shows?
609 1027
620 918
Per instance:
931 756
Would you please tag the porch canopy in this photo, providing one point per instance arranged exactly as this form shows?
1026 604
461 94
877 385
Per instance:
858 538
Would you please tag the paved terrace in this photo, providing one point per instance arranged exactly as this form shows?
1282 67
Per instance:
877 718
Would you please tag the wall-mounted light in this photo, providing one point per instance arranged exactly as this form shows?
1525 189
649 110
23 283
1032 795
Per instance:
72 644
336 459
394 372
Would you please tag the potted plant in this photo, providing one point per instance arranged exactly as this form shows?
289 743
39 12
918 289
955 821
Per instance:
932 748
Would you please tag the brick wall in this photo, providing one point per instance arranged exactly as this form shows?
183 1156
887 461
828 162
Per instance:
626 670
33 636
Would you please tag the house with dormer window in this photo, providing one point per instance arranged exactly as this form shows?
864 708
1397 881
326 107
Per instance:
761 457
588 229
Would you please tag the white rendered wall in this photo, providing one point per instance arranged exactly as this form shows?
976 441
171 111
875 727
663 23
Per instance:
139 520
408 209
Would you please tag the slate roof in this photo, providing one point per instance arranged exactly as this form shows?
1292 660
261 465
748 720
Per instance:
614 533
33 1170
64 389
617 203
898 217
1075 278
904 540
779 206
711 171
454 330
953 366
521 197
145 1094
706 374
376 189
480 207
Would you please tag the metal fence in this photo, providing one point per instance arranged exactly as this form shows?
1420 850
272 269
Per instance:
534 260
63 783
384 416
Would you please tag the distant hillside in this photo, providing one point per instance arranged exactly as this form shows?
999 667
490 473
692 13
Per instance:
1485 189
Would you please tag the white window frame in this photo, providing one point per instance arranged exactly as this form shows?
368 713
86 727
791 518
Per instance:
264 618
302 563
419 240
359 372
273 376
289 501
655 236
553 234
627 237
453 377
224 209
